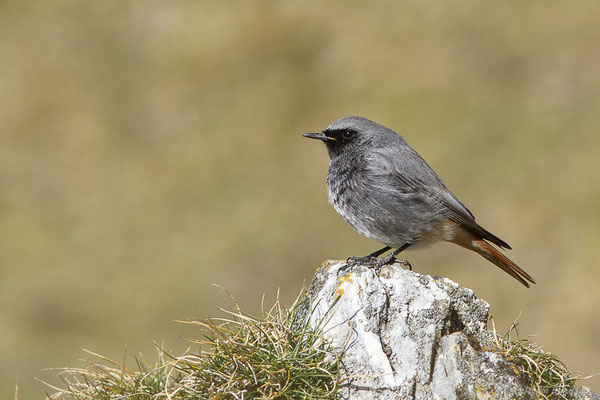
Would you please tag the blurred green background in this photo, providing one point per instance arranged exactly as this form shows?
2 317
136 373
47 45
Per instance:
151 148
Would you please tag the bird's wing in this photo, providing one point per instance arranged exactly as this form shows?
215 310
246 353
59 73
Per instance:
411 174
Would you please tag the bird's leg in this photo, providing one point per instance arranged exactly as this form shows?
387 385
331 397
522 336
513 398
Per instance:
370 259
379 252
392 257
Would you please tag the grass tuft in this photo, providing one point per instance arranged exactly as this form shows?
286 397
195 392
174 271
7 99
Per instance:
547 376
278 355
109 380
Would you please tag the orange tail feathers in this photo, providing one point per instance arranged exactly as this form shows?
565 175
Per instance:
486 250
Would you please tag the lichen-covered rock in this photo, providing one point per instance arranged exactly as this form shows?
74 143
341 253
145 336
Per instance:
408 336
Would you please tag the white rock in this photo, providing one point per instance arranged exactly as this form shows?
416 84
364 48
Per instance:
408 336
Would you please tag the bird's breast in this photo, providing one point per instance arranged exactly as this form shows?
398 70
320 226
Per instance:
348 196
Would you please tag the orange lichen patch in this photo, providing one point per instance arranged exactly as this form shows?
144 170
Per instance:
515 370
339 291
324 264
485 393
345 279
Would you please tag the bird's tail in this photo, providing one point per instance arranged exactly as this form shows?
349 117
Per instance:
472 242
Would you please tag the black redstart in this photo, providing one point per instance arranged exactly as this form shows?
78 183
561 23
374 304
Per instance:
385 191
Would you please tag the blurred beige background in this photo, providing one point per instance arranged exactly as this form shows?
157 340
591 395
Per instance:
151 148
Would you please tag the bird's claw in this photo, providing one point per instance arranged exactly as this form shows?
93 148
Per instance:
368 260
375 262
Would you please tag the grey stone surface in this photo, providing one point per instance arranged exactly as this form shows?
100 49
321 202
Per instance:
410 336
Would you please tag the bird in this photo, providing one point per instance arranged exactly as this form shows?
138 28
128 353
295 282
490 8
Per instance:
387 192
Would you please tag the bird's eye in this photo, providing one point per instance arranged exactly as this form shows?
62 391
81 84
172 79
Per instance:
348 134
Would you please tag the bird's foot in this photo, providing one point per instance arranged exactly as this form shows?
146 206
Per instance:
405 262
389 260
368 260
375 262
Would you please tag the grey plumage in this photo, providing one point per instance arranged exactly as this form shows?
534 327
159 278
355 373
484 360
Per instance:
385 191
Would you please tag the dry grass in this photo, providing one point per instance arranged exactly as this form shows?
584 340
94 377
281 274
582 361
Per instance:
275 356
546 375
106 379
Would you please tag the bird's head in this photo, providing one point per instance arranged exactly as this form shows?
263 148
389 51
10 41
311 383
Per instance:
352 134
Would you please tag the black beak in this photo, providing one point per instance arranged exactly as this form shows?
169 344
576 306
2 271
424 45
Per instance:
321 136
